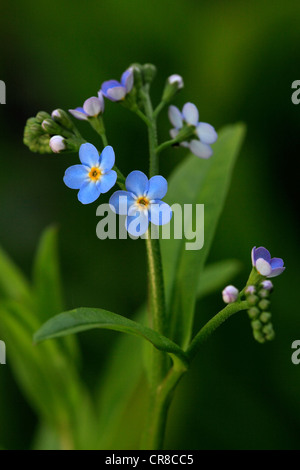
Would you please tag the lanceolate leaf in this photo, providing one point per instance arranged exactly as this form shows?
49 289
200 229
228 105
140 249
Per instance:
205 182
83 319
46 276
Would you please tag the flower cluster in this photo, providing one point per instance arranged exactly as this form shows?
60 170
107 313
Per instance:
47 133
202 133
259 314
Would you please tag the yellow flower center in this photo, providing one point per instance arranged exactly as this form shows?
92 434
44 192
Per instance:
143 201
95 173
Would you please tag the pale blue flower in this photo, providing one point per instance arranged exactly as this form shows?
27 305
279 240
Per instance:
142 202
94 176
205 134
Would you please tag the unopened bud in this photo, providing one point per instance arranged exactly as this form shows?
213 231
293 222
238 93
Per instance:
51 127
57 143
252 299
149 72
230 294
256 325
60 116
173 85
264 304
253 312
267 285
265 317
250 290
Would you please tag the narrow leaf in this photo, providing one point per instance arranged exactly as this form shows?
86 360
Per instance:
194 182
83 319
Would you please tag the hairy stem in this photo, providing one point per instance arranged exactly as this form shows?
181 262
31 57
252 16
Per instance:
213 324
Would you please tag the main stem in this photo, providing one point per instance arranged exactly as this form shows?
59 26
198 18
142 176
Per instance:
159 399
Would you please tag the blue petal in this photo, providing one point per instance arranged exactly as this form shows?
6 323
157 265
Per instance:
120 202
92 106
107 181
158 187
127 79
276 263
160 213
116 93
206 133
137 224
79 113
75 176
253 255
107 158
175 117
88 155
137 183
200 150
109 84
89 192
261 252
190 114
275 272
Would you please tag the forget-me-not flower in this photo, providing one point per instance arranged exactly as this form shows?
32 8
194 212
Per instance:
92 107
205 132
94 176
264 264
117 91
142 202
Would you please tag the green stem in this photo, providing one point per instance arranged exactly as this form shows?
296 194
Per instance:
166 145
156 305
142 116
213 324
160 402
159 108
152 134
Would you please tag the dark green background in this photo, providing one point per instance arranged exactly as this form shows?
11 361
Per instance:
238 60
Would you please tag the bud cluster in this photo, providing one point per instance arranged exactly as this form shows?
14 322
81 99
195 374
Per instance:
47 133
259 314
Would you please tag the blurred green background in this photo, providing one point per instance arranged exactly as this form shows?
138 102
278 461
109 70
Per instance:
238 60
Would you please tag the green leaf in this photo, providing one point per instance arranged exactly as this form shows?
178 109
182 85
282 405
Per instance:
13 285
46 276
47 284
44 373
83 319
217 275
123 389
196 181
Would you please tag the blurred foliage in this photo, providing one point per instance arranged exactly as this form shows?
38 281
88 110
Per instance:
238 60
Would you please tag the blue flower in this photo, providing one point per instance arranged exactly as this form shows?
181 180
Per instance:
94 176
142 202
92 107
205 132
116 91
264 264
